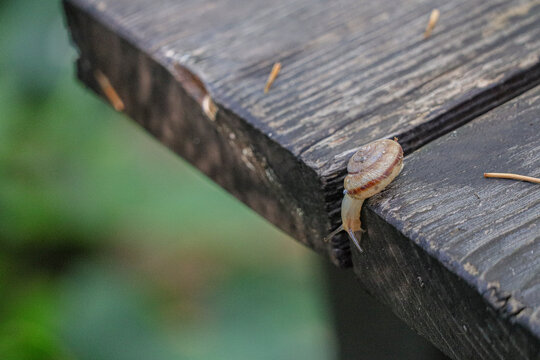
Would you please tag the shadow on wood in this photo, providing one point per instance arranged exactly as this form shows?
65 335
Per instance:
366 329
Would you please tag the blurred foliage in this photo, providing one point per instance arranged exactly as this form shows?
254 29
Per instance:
106 251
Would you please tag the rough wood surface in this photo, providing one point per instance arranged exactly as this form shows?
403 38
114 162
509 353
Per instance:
457 255
353 71
452 253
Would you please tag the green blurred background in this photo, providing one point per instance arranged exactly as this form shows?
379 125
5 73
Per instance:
105 249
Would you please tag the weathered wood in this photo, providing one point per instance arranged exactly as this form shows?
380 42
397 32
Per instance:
452 253
456 255
353 71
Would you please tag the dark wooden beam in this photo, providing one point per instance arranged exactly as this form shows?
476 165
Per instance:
353 71
456 255
451 253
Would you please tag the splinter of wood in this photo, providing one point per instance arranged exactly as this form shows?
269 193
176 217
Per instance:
109 91
512 177
273 75
433 18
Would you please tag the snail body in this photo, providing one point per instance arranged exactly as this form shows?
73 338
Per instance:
370 170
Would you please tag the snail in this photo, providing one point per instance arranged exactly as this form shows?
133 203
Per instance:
370 170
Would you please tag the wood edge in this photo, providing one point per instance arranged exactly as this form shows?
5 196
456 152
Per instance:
490 293
514 85
262 157
507 308
510 87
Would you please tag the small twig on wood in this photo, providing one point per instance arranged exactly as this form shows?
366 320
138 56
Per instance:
512 177
433 18
273 75
109 91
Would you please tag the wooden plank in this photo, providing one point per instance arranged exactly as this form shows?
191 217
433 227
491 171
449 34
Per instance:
353 71
456 255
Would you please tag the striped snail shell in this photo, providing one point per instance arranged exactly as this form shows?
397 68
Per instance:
370 170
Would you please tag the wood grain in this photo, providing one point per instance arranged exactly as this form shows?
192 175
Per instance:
352 71
456 255
452 253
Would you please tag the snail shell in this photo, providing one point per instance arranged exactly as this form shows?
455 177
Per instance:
370 170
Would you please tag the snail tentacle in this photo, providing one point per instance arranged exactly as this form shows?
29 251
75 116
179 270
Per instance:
355 240
333 233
